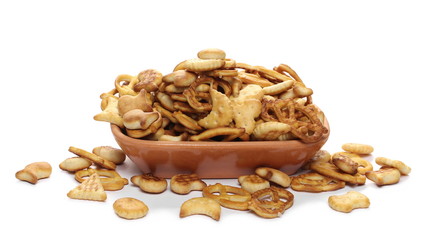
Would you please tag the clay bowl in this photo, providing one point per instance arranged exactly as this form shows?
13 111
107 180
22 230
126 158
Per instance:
216 159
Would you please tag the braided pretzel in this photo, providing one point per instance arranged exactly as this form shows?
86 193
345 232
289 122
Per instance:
266 202
238 200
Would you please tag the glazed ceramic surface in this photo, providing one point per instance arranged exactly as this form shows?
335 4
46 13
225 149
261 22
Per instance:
215 159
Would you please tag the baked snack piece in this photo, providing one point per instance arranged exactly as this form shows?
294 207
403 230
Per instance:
349 201
201 205
130 208
90 189
150 183
34 171
185 183
253 183
274 175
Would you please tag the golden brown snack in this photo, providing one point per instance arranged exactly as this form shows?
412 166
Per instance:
357 148
330 170
253 183
90 189
149 183
93 158
228 196
315 182
185 183
202 206
348 202
115 155
363 164
130 208
221 114
180 78
74 164
384 176
274 175
139 133
345 163
138 119
220 131
110 113
212 53
149 80
34 171
402 167
320 156
267 203
129 102
109 179
202 65
278 88
124 84
270 130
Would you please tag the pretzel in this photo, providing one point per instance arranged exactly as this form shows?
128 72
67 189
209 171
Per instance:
384 176
149 80
212 53
93 158
193 96
266 203
253 183
283 68
202 206
221 114
348 202
74 164
278 88
138 119
357 148
115 155
110 180
315 182
402 167
185 183
215 132
249 78
270 130
130 208
90 189
34 171
165 100
186 121
238 198
330 170
149 183
164 112
127 88
274 175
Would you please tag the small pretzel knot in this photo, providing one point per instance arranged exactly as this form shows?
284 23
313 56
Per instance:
268 202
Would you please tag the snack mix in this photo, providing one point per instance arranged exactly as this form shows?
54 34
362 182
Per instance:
218 99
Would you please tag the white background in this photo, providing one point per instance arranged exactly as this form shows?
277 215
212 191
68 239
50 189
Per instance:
375 68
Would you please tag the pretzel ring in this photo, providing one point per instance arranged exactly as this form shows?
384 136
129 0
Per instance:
266 203
125 83
315 182
110 180
238 200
